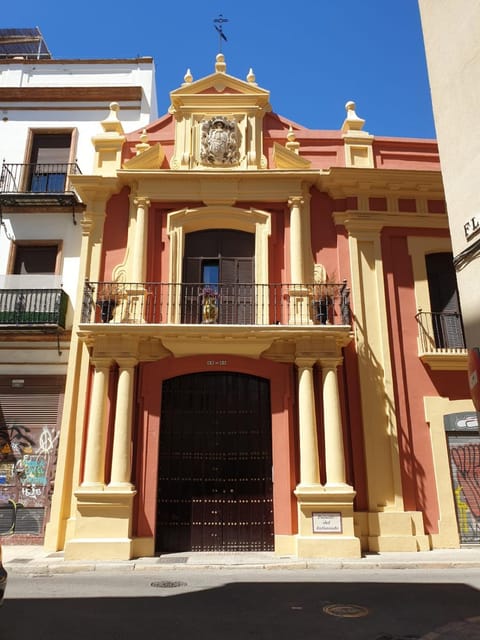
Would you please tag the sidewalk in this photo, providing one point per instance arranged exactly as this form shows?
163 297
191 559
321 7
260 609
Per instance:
29 559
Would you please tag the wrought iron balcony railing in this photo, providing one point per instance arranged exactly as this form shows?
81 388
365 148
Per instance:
240 304
440 331
32 308
31 182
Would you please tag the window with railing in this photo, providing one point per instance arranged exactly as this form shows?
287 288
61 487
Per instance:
441 335
47 169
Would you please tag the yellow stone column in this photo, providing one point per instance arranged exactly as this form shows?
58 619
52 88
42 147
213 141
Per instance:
138 273
325 513
121 454
133 309
334 449
94 473
296 253
307 425
299 300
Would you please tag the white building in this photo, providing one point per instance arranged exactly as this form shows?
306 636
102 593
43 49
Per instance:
451 32
49 112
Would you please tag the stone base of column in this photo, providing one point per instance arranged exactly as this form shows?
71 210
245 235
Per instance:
325 522
328 547
143 547
103 526
285 545
300 307
99 549
132 306
397 531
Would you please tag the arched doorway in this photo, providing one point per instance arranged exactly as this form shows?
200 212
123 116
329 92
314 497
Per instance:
215 464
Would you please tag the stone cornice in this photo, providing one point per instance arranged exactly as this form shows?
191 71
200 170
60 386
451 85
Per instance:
278 343
360 221
219 186
94 187
340 182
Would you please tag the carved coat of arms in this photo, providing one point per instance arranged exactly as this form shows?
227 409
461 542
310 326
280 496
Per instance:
219 142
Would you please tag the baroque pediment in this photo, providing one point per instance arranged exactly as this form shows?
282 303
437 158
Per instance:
219 121
219 90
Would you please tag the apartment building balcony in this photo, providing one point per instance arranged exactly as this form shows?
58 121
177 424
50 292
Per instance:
34 184
26 306
442 340
217 318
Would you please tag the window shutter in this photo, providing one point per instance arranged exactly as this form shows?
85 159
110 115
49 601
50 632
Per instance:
191 308
444 301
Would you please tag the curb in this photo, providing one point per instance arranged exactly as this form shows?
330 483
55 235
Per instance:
48 567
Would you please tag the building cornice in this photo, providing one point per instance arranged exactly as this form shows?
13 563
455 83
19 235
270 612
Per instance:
69 94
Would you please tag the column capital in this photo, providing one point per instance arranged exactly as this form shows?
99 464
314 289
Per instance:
101 363
305 362
126 362
330 363
141 201
295 201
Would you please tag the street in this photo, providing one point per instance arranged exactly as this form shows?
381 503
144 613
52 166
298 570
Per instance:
239 604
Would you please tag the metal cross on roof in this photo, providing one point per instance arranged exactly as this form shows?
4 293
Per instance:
218 24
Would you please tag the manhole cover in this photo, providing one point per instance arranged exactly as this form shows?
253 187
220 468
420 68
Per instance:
346 610
168 584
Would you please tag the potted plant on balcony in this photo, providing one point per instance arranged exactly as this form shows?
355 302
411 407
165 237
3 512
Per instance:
323 295
209 297
107 300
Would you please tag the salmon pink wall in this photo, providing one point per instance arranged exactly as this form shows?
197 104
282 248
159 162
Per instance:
115 233
406 153
413 380
162 131
329 242
148 426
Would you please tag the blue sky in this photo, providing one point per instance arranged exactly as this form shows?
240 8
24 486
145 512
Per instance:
312 55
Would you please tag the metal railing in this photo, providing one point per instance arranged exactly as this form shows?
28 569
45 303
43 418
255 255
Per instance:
36 178
32 307
241 304
440 331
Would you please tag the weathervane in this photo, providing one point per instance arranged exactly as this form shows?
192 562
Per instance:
219 27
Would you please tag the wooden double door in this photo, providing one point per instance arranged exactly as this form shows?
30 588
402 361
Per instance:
215 464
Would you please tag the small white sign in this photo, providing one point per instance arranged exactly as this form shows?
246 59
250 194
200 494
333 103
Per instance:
327 522
471 227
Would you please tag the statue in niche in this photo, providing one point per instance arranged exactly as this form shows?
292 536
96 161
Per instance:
219 142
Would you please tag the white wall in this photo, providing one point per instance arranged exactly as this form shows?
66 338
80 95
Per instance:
451 31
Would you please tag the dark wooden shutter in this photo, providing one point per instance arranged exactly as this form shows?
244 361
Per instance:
35 259
236 305
444 301
191 307
234 252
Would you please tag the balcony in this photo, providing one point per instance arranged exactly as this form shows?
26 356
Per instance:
151 303
442 340
30 309
37 185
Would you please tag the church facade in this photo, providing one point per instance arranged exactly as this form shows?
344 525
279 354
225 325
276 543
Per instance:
267 353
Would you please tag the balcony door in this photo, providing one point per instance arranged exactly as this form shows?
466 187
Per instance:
215 489
444 301
220 261
49 159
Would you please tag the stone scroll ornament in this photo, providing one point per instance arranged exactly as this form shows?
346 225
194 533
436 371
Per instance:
219 142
